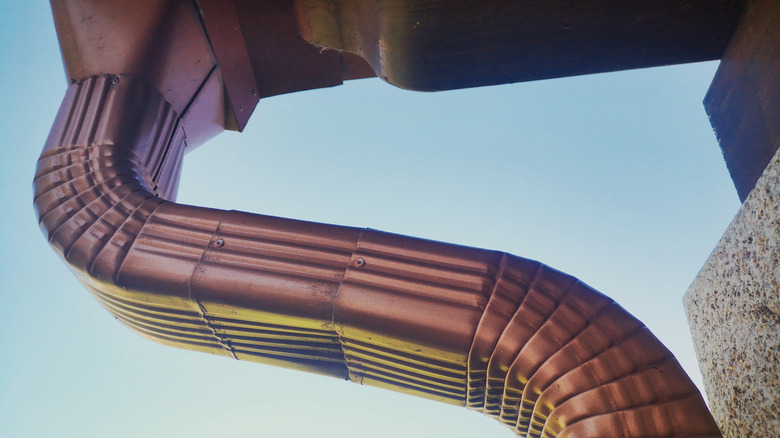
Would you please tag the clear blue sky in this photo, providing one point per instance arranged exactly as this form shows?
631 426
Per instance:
614 178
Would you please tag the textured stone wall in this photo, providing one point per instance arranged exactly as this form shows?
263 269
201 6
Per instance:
733 308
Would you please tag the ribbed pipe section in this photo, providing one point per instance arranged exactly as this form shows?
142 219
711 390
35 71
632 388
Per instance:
533 347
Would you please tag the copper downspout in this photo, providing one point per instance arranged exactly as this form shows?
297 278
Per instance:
535 348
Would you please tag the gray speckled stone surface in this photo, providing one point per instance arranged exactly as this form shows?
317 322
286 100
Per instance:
733 308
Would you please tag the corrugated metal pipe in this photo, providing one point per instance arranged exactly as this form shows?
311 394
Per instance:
535 348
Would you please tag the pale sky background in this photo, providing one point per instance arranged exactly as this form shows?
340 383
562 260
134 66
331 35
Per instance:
614 178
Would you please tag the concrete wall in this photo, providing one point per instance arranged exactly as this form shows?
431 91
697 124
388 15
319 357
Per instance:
733 308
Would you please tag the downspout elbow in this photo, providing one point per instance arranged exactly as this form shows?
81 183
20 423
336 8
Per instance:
110 161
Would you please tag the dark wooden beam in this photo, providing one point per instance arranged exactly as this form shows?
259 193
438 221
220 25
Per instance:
743 101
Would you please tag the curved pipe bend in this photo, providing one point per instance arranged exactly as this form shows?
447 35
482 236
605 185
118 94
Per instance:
535 348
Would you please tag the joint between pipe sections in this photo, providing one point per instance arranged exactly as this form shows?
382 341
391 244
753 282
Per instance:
225 343
201 309
336 326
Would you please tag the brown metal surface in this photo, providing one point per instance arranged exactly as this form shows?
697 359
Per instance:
160 41
429 45
220 20
282 61
542 351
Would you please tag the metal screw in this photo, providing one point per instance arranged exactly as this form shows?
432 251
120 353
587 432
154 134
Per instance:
114 80
219 243
360 262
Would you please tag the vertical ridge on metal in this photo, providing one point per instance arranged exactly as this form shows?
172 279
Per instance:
533 347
